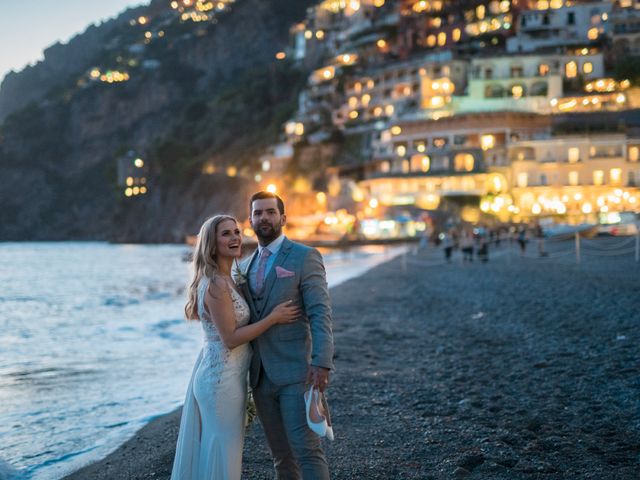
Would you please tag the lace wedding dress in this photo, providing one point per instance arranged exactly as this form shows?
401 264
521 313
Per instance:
212 427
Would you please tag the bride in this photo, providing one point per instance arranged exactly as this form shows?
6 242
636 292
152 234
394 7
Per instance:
211 434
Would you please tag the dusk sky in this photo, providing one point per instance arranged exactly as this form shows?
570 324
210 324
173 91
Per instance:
27 28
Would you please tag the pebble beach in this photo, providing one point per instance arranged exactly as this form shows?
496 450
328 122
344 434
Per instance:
517 368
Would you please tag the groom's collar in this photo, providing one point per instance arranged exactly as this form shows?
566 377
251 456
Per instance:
273 247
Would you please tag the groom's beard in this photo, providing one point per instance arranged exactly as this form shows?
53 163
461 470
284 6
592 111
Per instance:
267 233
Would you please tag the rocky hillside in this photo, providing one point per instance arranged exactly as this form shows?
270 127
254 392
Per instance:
196 92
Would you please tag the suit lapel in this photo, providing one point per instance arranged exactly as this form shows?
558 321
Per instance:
285 248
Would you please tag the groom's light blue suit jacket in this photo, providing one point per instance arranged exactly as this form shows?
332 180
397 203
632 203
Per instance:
286 351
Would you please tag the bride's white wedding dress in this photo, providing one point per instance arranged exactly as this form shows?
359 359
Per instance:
212 427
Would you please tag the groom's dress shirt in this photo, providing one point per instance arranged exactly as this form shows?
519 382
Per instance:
274 248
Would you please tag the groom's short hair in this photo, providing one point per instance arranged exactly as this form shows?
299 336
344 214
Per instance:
264 194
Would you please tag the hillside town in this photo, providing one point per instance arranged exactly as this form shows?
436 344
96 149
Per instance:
492 111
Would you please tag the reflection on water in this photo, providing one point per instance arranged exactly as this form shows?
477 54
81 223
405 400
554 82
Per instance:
93 345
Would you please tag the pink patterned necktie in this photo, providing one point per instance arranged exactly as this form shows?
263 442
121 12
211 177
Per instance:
262 266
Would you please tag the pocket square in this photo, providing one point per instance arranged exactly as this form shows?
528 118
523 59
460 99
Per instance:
284 273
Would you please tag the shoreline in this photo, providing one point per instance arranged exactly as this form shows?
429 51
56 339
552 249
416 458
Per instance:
454 371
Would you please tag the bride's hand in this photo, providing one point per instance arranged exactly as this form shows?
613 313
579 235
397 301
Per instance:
286 312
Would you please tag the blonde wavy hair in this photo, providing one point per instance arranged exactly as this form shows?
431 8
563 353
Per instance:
204 261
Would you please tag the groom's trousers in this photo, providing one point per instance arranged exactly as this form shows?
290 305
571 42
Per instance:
297 452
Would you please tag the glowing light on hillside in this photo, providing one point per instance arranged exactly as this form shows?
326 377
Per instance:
373 203
128 192
138 162
281 55
232 171
396 130
114 77
272 188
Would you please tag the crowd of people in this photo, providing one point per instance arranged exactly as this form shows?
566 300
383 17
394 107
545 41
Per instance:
474 241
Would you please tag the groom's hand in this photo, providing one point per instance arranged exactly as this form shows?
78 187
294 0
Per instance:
318 376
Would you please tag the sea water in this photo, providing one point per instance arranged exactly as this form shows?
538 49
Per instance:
93 345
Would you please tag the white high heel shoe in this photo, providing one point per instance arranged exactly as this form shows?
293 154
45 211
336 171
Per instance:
318 417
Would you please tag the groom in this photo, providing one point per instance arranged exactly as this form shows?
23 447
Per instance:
287 358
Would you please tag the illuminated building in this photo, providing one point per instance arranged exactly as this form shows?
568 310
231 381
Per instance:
133 173
576 176
569 25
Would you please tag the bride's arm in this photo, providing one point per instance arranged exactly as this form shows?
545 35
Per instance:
220 306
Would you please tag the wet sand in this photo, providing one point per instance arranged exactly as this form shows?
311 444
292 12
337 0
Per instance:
518 368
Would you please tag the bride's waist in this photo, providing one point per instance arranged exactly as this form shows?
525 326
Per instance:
216 348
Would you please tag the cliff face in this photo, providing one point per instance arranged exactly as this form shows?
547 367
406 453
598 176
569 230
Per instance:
199 93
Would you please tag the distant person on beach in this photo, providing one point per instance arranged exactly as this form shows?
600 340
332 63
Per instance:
466 245
539 232
447 244
288 359
482 239
522 239
211 434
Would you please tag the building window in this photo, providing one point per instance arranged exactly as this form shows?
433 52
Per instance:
574 178
538 89
488 73
574 155
543 69
440 142
460 139
494 91
615 174
517 91
457 33
571 70
442 38
587 67
571 18
632 179
487 142
543 179
522 179
420 146
592 34
516 71
463 162
598 177
634 154
385 167
420 163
